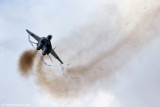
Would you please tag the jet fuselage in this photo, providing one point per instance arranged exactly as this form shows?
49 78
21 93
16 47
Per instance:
45 45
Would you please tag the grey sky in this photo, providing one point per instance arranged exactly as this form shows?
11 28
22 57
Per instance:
136 84
42 17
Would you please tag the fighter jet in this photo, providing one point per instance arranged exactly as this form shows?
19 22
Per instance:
44 43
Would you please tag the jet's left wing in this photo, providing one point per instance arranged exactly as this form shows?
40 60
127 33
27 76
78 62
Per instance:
33 35
55 55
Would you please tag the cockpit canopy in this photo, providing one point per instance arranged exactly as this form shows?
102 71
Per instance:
49 37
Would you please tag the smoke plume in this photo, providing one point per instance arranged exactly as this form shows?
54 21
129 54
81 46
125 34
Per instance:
97 50
26 61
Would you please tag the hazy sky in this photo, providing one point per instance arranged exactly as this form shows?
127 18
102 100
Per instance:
42 17
136 83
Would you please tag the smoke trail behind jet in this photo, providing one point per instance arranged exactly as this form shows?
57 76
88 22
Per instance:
26 61
99 50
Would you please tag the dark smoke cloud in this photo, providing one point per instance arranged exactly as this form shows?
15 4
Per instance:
26 61
97 52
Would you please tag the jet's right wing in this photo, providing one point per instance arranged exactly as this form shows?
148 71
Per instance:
33 35
55 55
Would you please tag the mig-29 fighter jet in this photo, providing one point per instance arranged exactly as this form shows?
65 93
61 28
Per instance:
44 43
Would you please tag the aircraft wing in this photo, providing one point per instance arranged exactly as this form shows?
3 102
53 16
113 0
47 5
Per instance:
33 35
55 55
